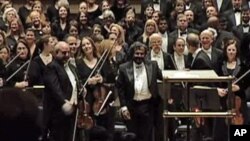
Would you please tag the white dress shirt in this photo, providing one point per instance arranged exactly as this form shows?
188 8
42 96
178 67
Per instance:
141 83
208 52
157 6
72 79
237 18
164 42
219 3
184 36
180 62
158 58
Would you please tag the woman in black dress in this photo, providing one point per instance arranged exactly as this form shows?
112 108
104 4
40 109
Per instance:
18 80
85 65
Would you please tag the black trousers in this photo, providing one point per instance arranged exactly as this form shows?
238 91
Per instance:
141 122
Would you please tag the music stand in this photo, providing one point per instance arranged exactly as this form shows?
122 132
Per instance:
204 99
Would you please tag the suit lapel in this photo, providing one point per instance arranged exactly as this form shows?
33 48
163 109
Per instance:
130 72
149 70
174 62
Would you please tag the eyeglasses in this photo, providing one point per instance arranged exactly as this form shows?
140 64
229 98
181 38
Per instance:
21 48
64 52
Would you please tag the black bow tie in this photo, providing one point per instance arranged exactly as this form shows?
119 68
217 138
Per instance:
245 25
138 66
237 10
183 33
156 2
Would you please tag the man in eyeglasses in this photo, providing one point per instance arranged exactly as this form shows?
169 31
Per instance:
60 94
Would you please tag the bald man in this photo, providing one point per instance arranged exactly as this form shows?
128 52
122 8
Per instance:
60 94
156 53
200 60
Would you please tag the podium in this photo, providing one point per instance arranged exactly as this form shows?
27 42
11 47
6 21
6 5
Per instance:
190 77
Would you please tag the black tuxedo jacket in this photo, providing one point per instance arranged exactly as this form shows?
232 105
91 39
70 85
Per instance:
238 31
168 63
187 64
57 88
125 82
226 5
216 59
201 62
175 34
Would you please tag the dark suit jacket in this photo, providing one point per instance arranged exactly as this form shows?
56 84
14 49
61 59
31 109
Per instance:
125 82
201 62
187 64
175 34
166 6
238 31
57 88
226 5
216 59
168 63
222 34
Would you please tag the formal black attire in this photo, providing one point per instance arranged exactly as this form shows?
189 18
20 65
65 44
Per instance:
58 31
201 62
221 133
168 64
52 13
141 112
58 88
226 5
104 122
222 34
19 75
216 58
23 13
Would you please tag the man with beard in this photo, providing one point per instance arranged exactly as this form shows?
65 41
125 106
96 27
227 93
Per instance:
60 94
138 92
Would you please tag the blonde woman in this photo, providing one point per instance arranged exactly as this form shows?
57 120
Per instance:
38 8
149 28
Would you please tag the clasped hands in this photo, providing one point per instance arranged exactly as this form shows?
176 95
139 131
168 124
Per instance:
222 92
95 79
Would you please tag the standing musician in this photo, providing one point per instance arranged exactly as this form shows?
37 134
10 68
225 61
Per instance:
60 94
18 79
102 130
138 92
37 70
233 66
164 62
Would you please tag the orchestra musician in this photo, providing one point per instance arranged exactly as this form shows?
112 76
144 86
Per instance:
164 62
60 95
138 92
37 71
18 79
103 127
233 66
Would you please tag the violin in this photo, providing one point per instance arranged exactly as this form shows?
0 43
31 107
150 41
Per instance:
84 121
238 118
100 94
